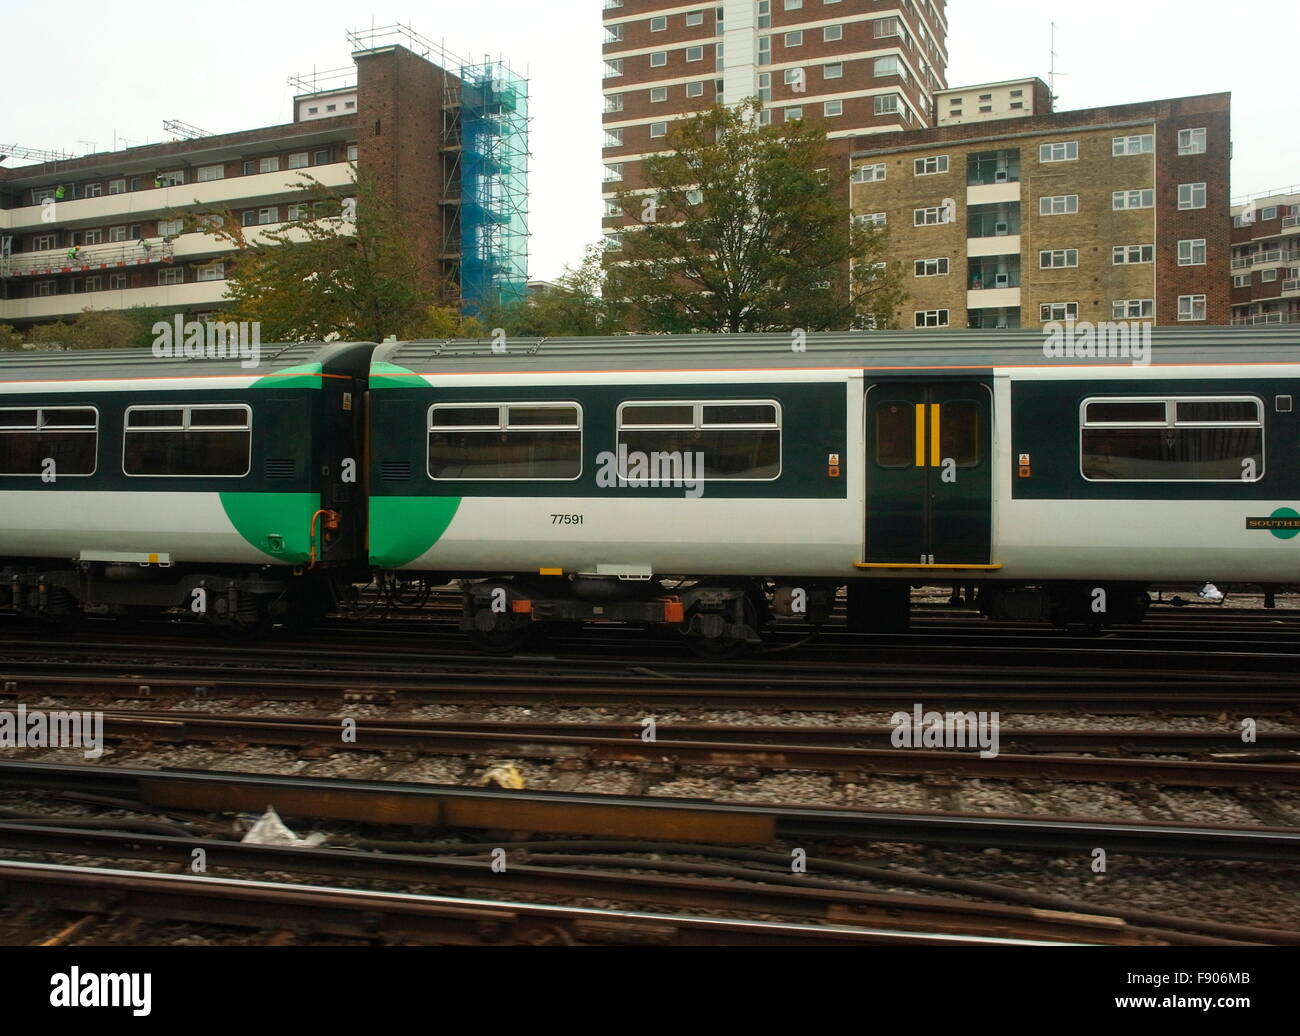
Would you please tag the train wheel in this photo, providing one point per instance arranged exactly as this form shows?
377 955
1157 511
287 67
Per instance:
715 639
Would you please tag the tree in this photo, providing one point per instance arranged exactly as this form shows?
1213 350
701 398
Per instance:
10 340
574 305
317 277
743 233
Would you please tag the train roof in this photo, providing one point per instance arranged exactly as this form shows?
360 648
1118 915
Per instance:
922 350
118 364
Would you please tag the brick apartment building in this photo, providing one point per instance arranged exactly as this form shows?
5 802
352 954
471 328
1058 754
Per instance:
856 66
104 231
1013 220
1266 259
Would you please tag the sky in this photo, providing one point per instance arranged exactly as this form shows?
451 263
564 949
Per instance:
100 70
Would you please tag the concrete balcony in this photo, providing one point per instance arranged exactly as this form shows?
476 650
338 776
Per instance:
136 206
174 296
993 298
993 193
1291 288
1007 244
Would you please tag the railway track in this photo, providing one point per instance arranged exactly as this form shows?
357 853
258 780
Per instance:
623 743
601 815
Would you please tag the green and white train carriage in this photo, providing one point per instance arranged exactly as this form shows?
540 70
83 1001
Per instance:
561 474
130 482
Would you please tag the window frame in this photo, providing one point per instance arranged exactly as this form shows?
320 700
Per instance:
503 426
1121 147
40 426
1171 421
698 424
1047 205
1053 252
186 409
1046 151
1190 206
920 166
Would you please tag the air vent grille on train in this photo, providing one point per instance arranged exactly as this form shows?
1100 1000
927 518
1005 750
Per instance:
395 470
277 468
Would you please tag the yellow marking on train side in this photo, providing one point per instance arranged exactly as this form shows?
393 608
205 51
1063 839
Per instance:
935 460
920 435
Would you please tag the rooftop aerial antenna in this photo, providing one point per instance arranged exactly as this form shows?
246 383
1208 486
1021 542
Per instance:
1051 76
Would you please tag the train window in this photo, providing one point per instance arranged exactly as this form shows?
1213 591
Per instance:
736 440
57 441
1191 440
200 441
492 441
896 435
1127 412
959 432
1210 411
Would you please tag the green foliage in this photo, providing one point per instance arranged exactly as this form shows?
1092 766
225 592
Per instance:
325 274
10 340
743 233
573 306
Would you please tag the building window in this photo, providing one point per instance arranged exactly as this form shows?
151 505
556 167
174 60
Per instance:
694 53
268 215
833 108
613 68
322 157
211 272
832 33
1058 311
188 441
931 267
1191 195
1270 213
43 242
1140 199
171 178
250 167
613 172
206 173
1128 255
658 94
740 439
613 102
1065 151
883 28
1200 439
833 71
94 190
117 233
169 227
1131 309
930 166
171 275
1191 142
297 212
764 14
1191 307
493 441
932 318
793 5
887 104
931 217
43 288
269 165
613 138
1058 258
794 39
116 281
694 18
888 66
659 59
658 129
1191 253
871 219
694 89
116 186
869 173
1241 280
93 283
92 237
30 435
298 160
1058 205
352 152
612 208
1142 144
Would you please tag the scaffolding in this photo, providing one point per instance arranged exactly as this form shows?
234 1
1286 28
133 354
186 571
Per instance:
493 199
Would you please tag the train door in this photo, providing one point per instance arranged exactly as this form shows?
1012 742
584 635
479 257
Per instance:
929 473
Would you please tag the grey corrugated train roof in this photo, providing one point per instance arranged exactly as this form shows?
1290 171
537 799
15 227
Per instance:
90 364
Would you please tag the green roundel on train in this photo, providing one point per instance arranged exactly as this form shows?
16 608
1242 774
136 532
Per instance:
404 527
1285 534
277 524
